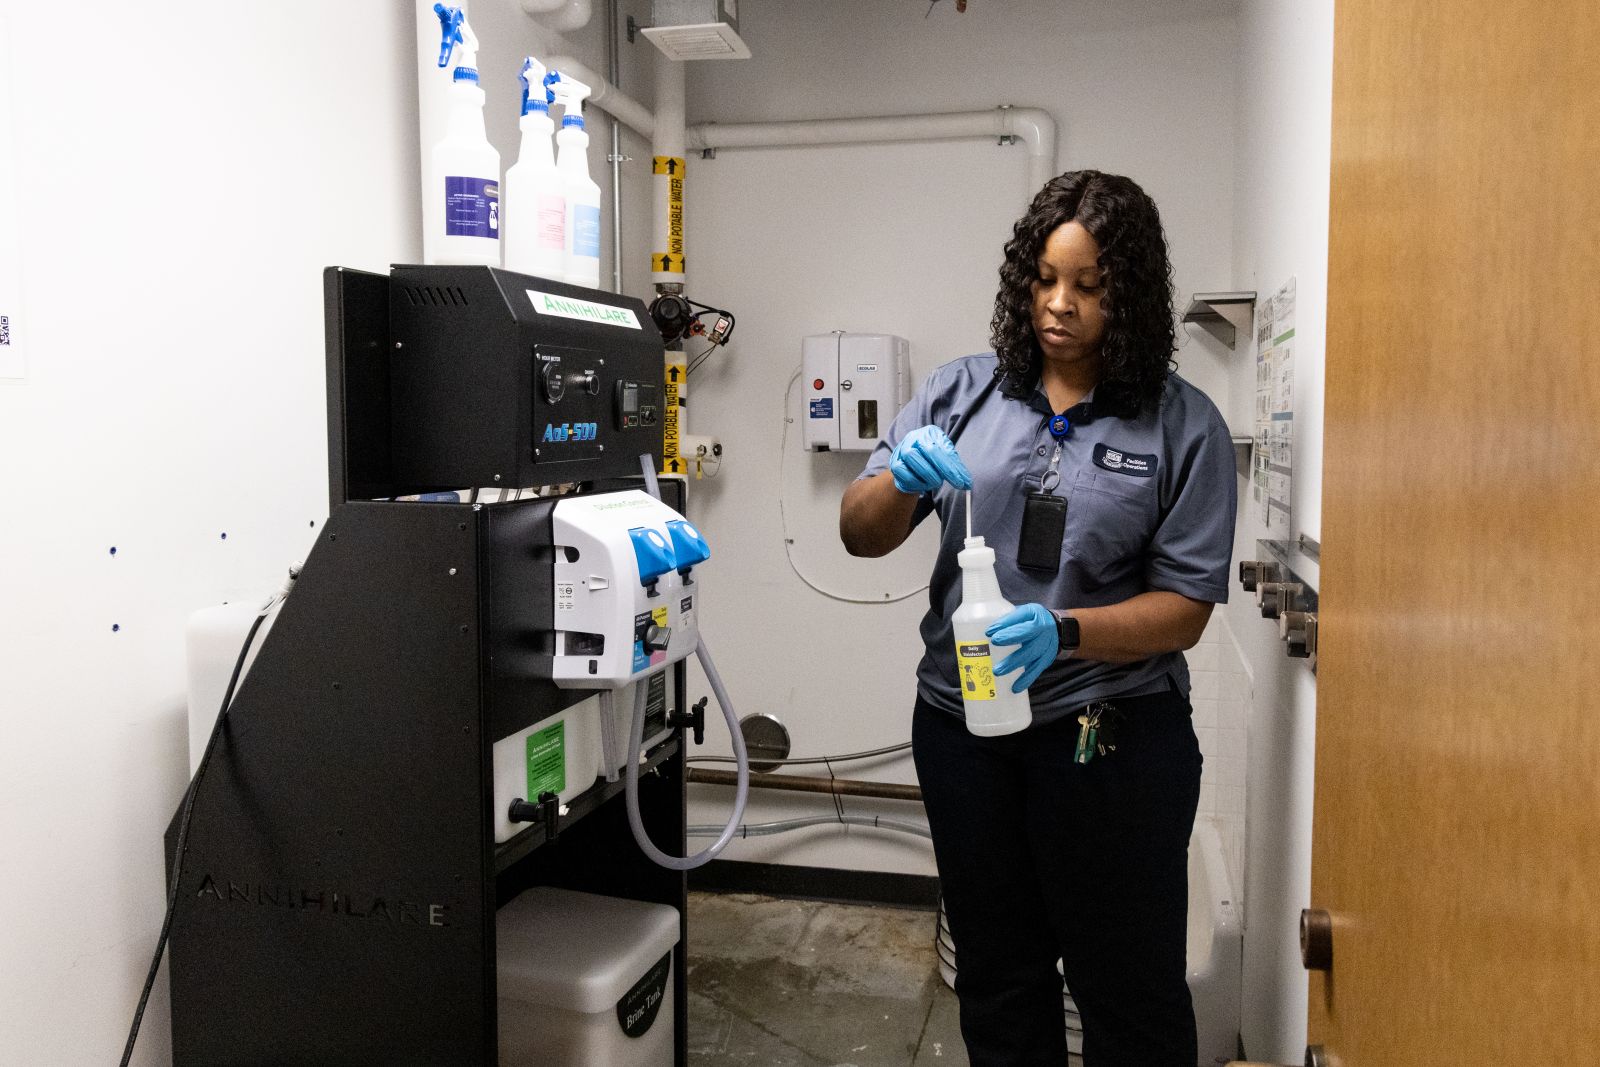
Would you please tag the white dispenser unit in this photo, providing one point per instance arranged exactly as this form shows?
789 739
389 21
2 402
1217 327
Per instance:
625 589
854 386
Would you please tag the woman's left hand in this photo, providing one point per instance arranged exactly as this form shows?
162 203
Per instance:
1033 628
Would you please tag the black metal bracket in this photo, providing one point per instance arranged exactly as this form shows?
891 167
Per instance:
546 812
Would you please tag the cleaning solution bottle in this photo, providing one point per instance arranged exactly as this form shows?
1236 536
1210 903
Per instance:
583 195
536 194
990 705
465 168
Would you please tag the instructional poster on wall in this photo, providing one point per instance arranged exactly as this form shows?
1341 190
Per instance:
13 364
1272 462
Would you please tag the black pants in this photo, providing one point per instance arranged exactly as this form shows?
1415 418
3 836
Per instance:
1042 858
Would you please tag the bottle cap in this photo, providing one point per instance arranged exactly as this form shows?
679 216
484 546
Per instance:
976 554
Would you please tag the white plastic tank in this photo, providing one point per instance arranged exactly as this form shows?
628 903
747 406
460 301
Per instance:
585 980
212 639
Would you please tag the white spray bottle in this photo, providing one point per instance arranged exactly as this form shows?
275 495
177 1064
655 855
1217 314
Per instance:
991 707
536 194
465 168
583 195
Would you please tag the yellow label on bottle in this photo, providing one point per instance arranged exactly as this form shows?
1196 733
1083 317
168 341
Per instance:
976 670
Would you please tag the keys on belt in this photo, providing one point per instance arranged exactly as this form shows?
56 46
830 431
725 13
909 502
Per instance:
1097 727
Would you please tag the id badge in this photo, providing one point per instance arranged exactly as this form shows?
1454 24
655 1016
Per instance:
1044 521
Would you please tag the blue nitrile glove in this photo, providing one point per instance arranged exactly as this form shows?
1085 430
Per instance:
925 459
1034 628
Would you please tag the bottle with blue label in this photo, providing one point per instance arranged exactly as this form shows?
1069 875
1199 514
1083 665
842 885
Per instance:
583 195
464 169
536 193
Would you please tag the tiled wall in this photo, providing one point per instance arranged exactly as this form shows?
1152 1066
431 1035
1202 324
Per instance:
1221 696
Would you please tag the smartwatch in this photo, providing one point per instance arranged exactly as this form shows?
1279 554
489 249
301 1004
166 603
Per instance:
1067 633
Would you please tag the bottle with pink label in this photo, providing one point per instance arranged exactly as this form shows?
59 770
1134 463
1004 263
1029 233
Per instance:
535 192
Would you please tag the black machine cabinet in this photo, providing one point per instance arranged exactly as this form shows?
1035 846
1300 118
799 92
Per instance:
501 379
338 893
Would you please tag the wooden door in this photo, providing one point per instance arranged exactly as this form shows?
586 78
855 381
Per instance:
1457 823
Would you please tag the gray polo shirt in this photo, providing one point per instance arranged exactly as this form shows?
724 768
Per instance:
1150 505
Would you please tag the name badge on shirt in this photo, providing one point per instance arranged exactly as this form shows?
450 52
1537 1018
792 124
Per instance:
1114 459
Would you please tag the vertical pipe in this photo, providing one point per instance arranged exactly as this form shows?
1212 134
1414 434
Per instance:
668 141
615 75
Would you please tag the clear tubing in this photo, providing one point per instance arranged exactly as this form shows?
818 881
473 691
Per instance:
648 466
608 732
767 829
741 789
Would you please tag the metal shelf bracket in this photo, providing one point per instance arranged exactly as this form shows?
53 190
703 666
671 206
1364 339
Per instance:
1222 315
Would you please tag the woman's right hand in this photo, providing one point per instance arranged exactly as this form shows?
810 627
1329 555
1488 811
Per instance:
925 459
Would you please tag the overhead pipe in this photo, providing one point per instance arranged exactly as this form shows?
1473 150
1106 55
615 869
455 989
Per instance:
1032 126
606 96
563 16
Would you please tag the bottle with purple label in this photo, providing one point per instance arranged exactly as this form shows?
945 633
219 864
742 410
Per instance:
464 168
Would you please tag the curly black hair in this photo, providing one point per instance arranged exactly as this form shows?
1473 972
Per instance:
1136 356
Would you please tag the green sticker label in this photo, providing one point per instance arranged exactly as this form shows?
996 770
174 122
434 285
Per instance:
547 761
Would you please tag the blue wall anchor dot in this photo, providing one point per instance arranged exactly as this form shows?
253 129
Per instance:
113 550
115 627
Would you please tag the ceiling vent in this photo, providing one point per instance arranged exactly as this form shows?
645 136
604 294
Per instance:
697 29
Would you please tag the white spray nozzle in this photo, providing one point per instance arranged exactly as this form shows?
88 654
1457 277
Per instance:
570 94
455 31
536 95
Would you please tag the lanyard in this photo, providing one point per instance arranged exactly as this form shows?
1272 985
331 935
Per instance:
1060 429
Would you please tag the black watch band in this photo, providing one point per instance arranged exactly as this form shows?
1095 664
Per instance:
1067 633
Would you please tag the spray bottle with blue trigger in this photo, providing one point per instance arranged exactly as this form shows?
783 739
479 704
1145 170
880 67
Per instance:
536 198
464 168
583 194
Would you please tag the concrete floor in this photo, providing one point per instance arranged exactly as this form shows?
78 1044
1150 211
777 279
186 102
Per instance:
787 983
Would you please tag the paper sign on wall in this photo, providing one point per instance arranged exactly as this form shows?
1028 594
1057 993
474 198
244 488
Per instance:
1272 463
13 363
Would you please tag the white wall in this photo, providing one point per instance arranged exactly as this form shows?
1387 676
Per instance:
184 176
1281 219
904 239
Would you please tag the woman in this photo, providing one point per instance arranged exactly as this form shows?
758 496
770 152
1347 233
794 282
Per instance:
1046 852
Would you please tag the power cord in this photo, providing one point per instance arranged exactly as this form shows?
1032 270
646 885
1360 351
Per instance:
183 830
783 519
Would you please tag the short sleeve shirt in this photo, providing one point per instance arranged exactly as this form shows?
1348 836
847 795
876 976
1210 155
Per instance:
1150 506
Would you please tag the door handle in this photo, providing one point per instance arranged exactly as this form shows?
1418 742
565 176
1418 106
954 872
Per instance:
1316 939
